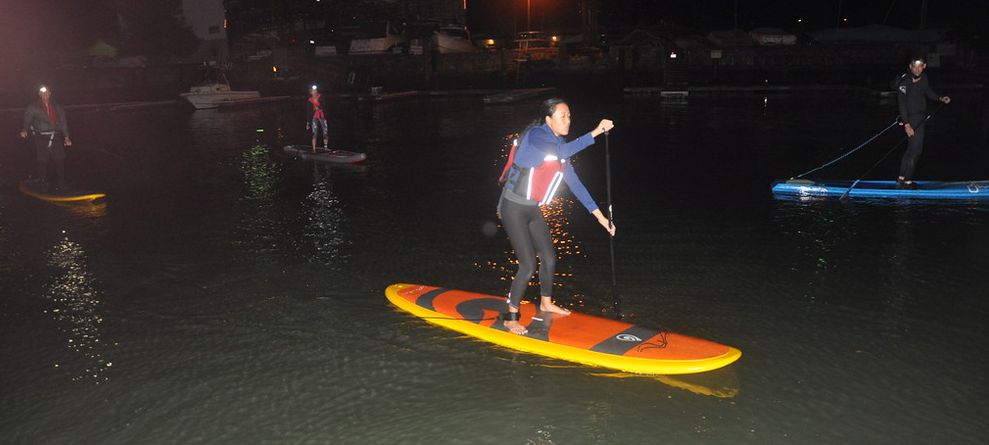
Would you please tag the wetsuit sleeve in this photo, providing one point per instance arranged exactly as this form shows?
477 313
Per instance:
901 100
63 125
27 119
578 189
930 93
544 141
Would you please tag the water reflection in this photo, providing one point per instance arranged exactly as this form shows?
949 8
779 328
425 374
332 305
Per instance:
722 383
85 210
325 219
75 307
260 174
818 228
260 228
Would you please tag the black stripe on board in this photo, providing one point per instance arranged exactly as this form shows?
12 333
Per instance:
624 341
426 300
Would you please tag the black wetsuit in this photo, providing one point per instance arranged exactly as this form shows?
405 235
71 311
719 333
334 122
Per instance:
912 99
522 218
49 137
530 237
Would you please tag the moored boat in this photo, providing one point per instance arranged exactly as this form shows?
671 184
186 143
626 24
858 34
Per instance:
215 94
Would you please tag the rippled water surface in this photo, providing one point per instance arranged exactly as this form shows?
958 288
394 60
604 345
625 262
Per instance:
228 293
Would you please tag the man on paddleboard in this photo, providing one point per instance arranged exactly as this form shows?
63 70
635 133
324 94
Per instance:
45 119
913 90
317 117
535 169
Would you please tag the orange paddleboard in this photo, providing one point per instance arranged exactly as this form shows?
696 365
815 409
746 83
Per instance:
578 337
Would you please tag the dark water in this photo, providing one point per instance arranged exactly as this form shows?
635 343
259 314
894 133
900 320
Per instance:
226 293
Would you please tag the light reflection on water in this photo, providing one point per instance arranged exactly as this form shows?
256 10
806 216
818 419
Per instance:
261 223
260 174
325 220
76 308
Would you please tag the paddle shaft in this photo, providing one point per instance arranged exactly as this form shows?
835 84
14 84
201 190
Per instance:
611 223
844 196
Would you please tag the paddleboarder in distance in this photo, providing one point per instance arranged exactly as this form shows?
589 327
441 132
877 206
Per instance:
45 119
913 90
536 166
317 117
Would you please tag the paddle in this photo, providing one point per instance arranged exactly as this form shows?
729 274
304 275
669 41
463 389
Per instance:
616 300
848 153
844 196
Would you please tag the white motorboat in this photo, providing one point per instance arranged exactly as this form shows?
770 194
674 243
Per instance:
772 36
375 38
215 94
453 39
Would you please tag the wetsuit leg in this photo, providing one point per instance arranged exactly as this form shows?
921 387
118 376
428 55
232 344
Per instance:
41 143
516 219
326 132
60 171
543 241
58 155
915 146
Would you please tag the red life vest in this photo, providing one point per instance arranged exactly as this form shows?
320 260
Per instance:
536 183
541 183
50 110
317 110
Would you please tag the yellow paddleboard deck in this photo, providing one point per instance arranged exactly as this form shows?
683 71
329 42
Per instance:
577 337
37 189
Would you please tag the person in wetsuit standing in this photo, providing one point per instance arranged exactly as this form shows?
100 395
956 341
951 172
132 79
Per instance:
317 117
45 119
913 90
534 170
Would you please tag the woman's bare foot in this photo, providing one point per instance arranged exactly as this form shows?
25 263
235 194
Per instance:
515 327
546 305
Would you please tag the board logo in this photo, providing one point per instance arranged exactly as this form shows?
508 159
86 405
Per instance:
628 337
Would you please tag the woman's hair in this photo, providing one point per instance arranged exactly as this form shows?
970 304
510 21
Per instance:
548 107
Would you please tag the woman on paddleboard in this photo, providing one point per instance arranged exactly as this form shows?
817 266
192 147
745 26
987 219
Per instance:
314 109
535 168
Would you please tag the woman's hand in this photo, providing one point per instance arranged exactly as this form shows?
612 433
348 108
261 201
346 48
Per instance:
603 126
608 226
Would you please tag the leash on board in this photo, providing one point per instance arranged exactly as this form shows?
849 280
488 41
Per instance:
844 196
846 154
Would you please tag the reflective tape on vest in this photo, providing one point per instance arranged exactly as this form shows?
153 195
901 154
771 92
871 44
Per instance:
543 181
